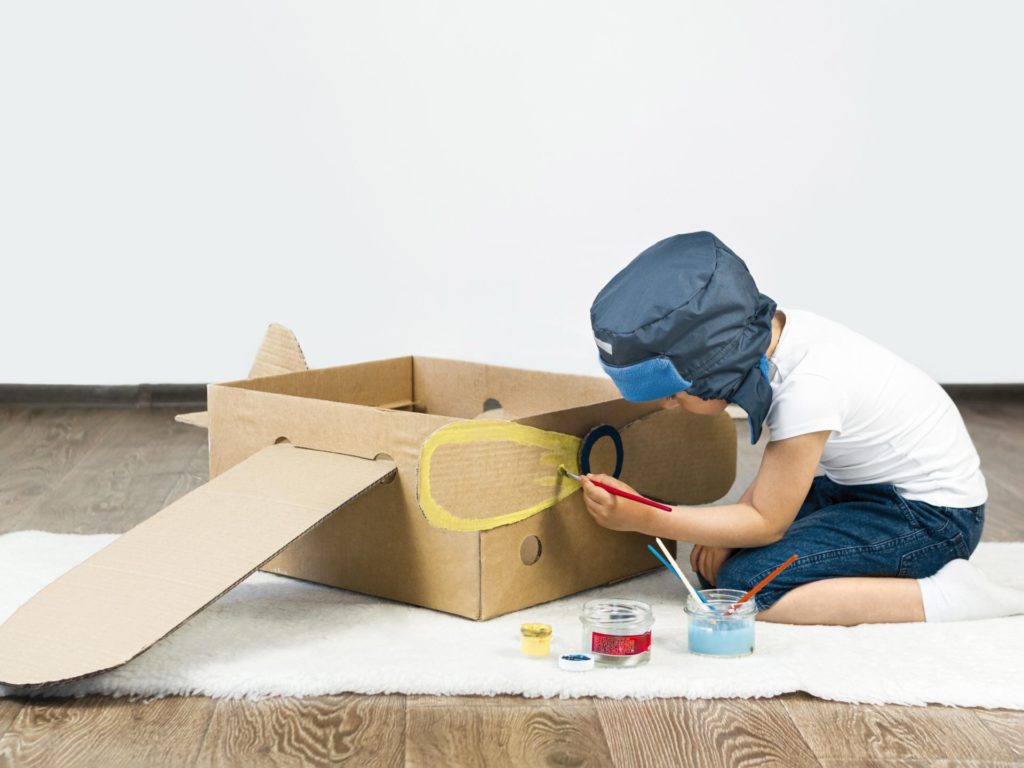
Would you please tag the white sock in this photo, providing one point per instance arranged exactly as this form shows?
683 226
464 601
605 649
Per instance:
960 591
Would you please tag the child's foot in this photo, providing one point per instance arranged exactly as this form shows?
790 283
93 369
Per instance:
960 591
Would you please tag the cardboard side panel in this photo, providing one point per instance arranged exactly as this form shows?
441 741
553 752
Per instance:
675 456
460 389
478 474
146 583
383 545
575 554
692 459
375 383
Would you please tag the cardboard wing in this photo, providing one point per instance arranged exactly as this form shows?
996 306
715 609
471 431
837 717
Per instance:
148 582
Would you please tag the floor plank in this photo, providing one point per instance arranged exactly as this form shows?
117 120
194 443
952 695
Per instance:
128 473
36 463
1007 727
9 709
704 732
837 731
1004 512
325 730
940 763
13 424
102 731
193 474
475 731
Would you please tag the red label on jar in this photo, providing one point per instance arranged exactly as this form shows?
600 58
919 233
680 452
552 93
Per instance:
620 645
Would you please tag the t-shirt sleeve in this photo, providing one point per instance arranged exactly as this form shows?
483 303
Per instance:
805 403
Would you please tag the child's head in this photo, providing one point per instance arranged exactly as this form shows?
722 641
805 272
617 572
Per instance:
684 323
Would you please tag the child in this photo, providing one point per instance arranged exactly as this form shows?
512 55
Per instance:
884 535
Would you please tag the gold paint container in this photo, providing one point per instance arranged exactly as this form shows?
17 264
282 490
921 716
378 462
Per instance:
535 639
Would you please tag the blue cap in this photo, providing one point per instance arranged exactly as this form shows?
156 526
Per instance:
686 316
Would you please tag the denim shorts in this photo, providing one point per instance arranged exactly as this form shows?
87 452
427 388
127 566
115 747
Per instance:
855 530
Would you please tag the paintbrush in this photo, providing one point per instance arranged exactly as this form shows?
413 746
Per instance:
617 492
762 583
674 567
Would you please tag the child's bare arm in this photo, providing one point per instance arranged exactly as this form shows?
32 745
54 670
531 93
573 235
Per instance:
707 560
775 496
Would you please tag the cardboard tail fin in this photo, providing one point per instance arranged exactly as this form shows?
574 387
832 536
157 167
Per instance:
148 582
278 353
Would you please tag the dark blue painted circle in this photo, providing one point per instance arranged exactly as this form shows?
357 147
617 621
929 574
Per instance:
605 430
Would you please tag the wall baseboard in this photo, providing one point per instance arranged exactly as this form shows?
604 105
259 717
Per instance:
192 397
996 392
185 397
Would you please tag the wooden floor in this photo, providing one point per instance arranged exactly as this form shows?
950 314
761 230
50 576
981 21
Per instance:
92 471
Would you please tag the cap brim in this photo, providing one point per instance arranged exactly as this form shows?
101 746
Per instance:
650 379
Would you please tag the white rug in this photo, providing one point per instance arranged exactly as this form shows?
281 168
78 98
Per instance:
276 636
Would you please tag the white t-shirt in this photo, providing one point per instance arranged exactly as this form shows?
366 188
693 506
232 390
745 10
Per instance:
890 422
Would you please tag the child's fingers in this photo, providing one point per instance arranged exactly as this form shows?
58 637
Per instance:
596 494
707 565
599 513
694 553
614 482
596 500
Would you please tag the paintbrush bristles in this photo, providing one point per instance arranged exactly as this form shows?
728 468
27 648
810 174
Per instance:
564 471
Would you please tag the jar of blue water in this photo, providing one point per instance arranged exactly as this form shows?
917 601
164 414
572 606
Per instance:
714 630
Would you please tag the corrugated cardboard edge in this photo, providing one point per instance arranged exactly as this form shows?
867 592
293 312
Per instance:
54 624
278 353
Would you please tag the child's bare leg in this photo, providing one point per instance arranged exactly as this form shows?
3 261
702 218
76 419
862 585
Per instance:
849 601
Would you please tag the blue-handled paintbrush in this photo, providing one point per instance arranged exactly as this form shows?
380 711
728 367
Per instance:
673 566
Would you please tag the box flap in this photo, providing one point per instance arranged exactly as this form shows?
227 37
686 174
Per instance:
674 456
149 581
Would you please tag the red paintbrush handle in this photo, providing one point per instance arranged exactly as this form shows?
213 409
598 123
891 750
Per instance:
633 497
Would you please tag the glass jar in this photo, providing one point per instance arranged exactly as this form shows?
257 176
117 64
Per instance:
617 631
713 631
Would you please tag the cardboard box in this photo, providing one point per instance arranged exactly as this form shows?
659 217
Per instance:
314 475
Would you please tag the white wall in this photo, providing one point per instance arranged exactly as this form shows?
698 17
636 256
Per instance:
460 178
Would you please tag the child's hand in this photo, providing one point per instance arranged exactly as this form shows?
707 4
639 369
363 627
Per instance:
707 560
611 511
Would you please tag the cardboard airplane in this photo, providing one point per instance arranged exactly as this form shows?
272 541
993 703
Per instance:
391 478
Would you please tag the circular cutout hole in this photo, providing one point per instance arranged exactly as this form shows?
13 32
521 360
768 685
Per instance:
490 404
387 457
529 550
601 451
603 456
282 440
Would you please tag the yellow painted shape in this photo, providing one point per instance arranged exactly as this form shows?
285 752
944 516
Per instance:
559 449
